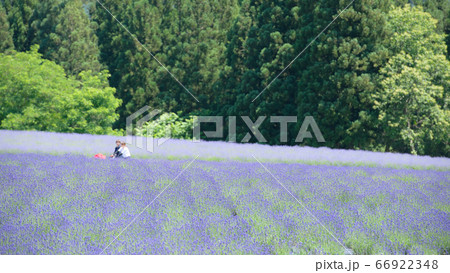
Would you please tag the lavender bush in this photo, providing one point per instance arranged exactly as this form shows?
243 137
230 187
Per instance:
73 204
59 143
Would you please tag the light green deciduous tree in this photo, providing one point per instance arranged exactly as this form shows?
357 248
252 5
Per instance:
413 101
36 94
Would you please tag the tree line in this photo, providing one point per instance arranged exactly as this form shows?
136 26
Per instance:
378 78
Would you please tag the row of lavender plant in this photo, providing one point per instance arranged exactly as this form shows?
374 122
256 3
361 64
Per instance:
60 143
73 204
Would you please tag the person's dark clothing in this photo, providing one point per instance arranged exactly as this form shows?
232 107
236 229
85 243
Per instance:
116 152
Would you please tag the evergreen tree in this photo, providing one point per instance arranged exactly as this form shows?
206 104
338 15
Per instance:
76 41
187 37
225 90
260 46
194 43
19 15
340 72
132 67
66 35
6 41
329 81
43 23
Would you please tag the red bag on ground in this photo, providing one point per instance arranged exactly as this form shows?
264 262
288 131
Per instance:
101 156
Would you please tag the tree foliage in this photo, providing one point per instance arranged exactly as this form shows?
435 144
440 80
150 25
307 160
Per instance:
37 95
376 78
19 15
187 37
167 125
6 41
341 71
329 81
414 98
66 35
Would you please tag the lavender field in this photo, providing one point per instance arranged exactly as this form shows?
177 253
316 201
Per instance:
88 145
56 199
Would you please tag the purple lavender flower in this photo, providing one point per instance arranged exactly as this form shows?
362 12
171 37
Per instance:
73 204
89 145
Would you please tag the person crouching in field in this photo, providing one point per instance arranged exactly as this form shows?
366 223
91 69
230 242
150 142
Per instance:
124 152
116 149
